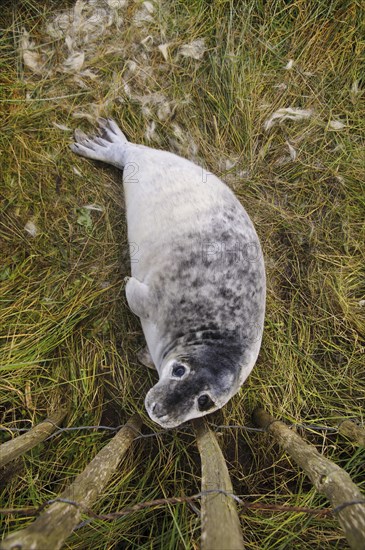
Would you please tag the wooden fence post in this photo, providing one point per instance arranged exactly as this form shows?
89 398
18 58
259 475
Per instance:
220 524
326 476
19 445
57 522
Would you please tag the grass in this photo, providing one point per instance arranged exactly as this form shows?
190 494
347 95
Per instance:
66 331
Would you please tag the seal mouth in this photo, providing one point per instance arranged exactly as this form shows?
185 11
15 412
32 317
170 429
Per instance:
164 420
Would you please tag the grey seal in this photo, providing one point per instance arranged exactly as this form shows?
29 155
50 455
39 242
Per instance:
198 278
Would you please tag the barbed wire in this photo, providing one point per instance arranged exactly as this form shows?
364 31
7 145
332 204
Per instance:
246 505
32 511
310 427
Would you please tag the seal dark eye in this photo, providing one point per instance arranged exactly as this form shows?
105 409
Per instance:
178 371
204 402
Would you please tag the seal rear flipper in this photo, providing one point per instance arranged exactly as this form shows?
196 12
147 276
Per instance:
139 298
109 146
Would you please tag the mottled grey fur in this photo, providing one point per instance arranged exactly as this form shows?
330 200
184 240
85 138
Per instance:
198 279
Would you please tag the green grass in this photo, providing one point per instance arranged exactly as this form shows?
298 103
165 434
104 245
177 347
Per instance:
66 331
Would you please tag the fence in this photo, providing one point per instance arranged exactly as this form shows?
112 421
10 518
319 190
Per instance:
57 518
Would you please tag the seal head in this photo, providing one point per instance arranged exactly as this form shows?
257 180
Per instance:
194 383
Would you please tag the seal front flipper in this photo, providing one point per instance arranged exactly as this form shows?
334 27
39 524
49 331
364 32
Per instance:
144 357
109 146
139 297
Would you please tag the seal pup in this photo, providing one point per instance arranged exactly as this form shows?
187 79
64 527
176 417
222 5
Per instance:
198 278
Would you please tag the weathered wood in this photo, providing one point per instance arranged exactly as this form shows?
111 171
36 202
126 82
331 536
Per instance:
354 432
57 522
220 522
19 445
328 478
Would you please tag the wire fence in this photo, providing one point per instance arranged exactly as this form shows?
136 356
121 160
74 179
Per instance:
309 427
258 504
157 503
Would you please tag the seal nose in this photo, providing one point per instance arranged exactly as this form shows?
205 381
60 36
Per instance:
157 409
155 405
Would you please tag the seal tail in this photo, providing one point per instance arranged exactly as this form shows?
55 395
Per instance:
108 146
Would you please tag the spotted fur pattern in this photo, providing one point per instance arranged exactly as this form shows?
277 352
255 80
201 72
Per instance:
198 278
